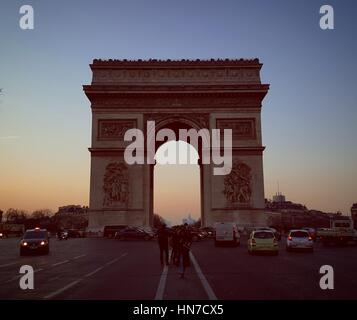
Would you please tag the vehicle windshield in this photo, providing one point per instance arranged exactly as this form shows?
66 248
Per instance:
263 235
35 235
299 234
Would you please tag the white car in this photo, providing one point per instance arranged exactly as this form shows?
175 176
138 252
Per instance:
299 240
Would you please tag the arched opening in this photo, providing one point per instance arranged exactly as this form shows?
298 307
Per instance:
177 185
177 181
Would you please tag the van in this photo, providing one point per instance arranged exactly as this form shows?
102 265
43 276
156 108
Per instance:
226 232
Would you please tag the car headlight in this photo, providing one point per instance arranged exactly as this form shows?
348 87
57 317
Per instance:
24 243
43 243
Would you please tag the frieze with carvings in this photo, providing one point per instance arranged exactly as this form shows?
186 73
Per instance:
237 185
242 129
114 129
182 102
116 185
200 119
175 75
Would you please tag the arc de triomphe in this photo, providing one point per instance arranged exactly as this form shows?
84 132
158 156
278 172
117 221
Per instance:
212 94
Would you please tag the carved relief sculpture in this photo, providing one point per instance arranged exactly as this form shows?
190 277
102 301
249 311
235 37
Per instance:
116 185
114 129
237 188
242 129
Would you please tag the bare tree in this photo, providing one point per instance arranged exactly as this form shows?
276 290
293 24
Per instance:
15 216
41 214
157 220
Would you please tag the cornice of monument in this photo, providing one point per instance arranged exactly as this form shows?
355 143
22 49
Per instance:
176 72
183 88
172 63
214 82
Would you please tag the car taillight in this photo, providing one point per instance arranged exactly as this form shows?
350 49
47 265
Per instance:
290 238
310 239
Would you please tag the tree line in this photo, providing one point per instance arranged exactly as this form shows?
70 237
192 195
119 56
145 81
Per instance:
44 218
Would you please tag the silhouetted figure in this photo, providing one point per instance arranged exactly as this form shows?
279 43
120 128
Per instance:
184 245
175 239
163 239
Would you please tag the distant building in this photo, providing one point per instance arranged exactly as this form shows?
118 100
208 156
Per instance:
286 215
72 216
354 210
279 197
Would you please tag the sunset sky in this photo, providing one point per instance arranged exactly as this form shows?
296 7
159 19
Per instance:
309 116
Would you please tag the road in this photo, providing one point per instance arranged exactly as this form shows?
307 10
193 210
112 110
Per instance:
96 268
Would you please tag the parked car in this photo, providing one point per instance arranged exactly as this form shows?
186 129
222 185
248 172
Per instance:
73 233
263 241
132 233
62 235
312 232
109 231
226 232
35 240
209 231
299 240
148 230
196 234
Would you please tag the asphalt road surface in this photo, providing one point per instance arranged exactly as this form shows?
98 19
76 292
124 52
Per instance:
110 269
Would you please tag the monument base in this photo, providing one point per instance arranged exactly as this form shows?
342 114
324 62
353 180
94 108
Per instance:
244 218
99 219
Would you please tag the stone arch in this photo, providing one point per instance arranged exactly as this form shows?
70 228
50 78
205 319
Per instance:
198 94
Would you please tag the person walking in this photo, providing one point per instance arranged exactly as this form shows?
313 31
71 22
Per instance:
163 239
184 245
174 259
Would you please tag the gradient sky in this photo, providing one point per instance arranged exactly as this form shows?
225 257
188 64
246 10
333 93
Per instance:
308 117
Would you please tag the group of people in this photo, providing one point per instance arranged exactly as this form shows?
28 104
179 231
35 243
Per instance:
180 240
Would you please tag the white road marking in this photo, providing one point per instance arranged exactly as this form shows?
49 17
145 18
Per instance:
93 272
201 276
13 279
115 260
81 256
59 291
111 262
9 264
40 269
161 288
20 275
54 278
59 263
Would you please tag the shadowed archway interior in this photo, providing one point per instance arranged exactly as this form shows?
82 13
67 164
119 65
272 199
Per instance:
174 198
